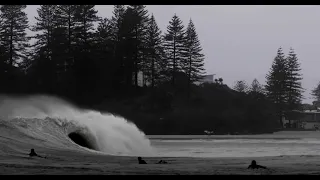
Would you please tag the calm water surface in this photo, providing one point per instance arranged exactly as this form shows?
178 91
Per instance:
277 144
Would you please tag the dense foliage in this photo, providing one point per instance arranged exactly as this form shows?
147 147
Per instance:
128 66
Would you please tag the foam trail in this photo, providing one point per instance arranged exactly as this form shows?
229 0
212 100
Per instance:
113 135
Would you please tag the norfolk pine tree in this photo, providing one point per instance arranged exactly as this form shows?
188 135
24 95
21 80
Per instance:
43 51
84 62
193 63
241 86
276 83
64 34
85 17
294 88
140 22
316 92
13 34
44 27
256 87
256 90
117 37
155 52
175 42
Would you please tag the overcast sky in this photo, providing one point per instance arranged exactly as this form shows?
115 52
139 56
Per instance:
240 42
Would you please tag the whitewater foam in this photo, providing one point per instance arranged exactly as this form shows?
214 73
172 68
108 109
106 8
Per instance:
52 119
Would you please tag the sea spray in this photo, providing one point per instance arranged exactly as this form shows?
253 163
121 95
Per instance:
112 134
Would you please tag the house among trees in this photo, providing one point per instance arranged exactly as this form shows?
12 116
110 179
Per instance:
307 119
206 79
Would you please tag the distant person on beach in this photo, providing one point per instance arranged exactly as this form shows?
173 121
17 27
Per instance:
254 165
141 161
33 153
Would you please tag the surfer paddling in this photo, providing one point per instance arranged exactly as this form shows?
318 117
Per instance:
162 162
33 153
254 165
141 161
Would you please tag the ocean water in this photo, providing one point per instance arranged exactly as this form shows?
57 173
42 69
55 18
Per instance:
277 144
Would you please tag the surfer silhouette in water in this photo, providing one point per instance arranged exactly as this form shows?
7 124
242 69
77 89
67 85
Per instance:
141 161
33 153
162 162
254 165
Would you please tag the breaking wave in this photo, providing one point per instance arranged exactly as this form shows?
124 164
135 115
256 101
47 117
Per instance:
55 123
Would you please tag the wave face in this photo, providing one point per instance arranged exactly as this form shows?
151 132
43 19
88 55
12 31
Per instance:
54 122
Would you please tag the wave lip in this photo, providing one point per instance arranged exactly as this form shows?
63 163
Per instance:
54 120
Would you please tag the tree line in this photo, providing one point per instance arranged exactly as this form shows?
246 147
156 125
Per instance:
99 66
283 84
71 58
